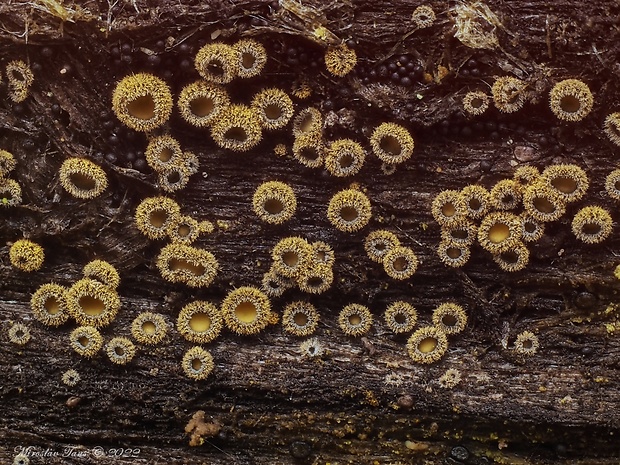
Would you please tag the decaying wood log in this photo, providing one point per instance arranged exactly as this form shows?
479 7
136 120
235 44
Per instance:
359 400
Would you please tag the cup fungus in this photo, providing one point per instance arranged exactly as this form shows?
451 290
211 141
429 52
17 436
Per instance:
292 256
570 182
246 310
217 63
355 320
197 363
427 345
423 16
103 272
474 202
309 150
149 328
142 102
184 229
571 100
200 322
505 195
274 202
86 341
391 143
26 255
447 207
300 318
155 215
401 317
82 178
237 128
20 79
7 163
316 279
340 60
173 178
531 229
163 152
323 253
71 377
274 108
344 157
508 94
378 243
592 224
450 318
612 184
612 127
200 103
400 263
308 120
92 303
10 193
543 203
251 58
49 304
454 255
499 232
460 232
180 263
19 334
274 284
120 350
526 343
349 210
514 259
526 175
312 348
475 103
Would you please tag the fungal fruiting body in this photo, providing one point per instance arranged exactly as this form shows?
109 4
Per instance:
274 284
340 60
450 379
592 224
274 202
475 103
526 174
142 102
349 210
92 303
308 121
251 58
526 343
82 178
26 255
7 163
180 263
312 348
514 259
246 310
197 363
49 304
274 108
10 193
200 322
499 232
173 178
427 345
120 350
462 232
184 229
612 127
200 103
423 16
316 279
542 203
309 150
86 341
391 143
323 253
570 182
400 263
355 320
401 317
508 94
378 243
163 152
154 216
71 377
448 206
149 328
453 254
505 195
474 202
345 157
20 79
531 229
450 318
237 128
291 256
103 272
612 184
571 100
217 63
300 318
19 334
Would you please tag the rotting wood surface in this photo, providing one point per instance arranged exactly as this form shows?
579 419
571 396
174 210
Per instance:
365 400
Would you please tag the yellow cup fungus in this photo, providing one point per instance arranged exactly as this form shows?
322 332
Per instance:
349 210
237 128
163 152
453 254
180 263
401 317
274 108
427 345
508 94
460 232
323 253
86 341
514 259
316 279
200 322
92 303
173 178
300 318
450 318
543 203
526 344
476 102
526 174
308 121
312 348
499 232
82 178
251 58
309 150
291 256
611 126
7 163
423 16
120 350
570 182
612 184
103 272
20 79
274 284
246 310
71 377
274 202
217 62
154 216
447 207
340 60
149 328
200 103
344 157
391 143
378 243
400 263
355 320
592 224
10 193
531 229
571 100
197 363
474 202
49 304
505 195
184 229
26 255
19 334
142 102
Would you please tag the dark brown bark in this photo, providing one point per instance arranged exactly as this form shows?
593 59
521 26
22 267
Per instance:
365 401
